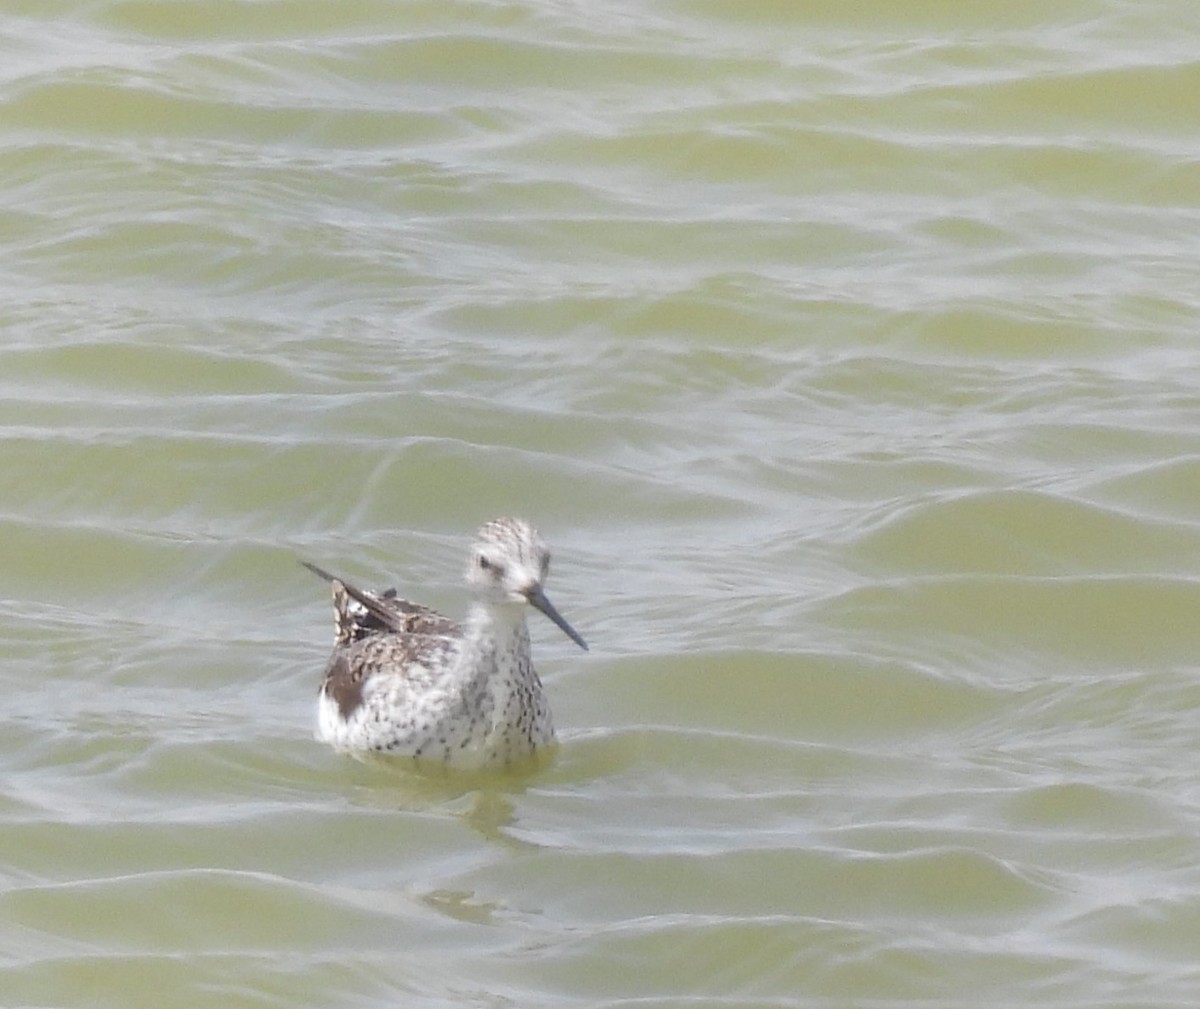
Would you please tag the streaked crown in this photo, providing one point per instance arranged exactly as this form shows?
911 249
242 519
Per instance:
507 560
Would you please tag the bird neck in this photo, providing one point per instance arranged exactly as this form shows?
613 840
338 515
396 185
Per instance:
494 630
495 657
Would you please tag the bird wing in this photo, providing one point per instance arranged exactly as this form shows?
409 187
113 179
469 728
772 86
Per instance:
402 661
358 614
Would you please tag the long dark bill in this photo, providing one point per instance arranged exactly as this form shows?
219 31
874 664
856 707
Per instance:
537 599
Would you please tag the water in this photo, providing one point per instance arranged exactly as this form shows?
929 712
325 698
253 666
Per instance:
845 356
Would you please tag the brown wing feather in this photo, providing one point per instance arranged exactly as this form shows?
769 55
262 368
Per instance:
394 653
378 613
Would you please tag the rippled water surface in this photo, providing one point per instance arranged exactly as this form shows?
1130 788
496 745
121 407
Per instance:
845 354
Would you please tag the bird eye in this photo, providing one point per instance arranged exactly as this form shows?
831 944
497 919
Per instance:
484 563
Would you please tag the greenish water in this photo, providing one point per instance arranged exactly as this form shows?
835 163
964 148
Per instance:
845 355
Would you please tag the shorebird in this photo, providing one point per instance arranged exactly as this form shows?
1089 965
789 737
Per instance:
405 680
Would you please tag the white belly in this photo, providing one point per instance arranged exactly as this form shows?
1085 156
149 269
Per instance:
437 731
